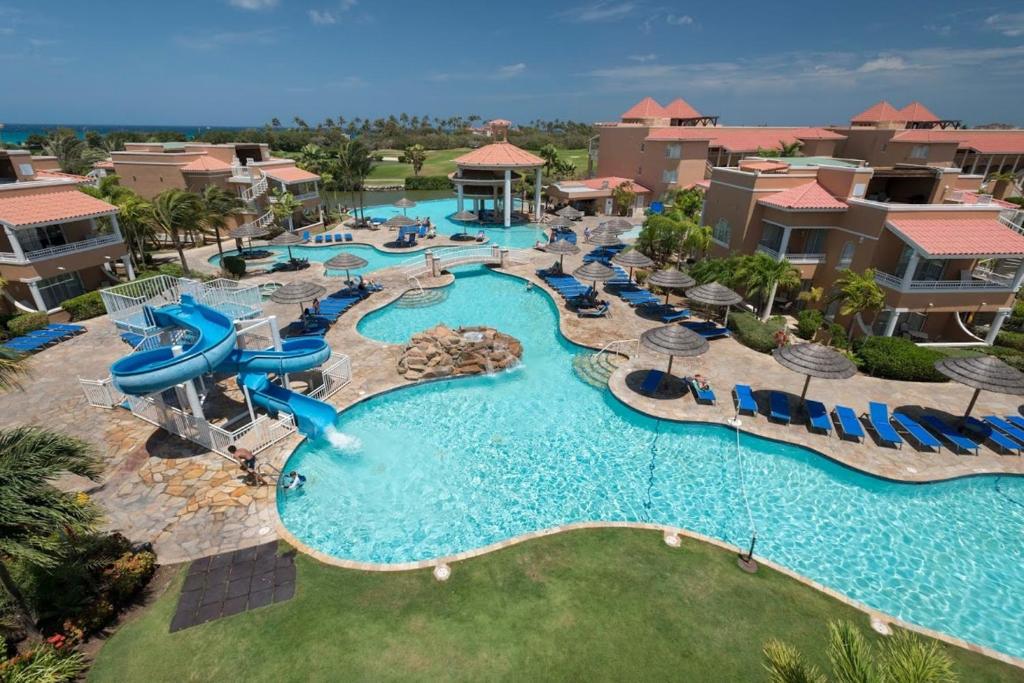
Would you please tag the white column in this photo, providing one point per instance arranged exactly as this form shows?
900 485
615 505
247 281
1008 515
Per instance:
1018 276
988 165
908 274
508 197
127 261
890 324
114 224
997 324
12 237
37 297
458 189
537 213
784 244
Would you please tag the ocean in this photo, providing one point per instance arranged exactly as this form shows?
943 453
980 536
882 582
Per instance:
15 133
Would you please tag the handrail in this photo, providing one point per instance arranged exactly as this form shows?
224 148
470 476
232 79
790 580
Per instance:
607 348
417 281
262 222
62 249
257 189
986 283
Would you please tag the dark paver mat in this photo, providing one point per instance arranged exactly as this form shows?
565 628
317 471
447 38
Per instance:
221 585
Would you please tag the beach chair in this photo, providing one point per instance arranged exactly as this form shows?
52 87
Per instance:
1005 427
701 395
599 312
779 407
947 432
27 344
329 238
305 235
348 237
1015 420
878 418
652 381
914 430
849 425
319 239
66 327
744 399
672 315
985 432
817 416
338 237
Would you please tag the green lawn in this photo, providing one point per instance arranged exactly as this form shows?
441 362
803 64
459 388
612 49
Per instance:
609 604
440 162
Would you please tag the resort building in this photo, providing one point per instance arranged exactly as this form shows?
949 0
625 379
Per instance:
56 241
939 262
595 195
242 168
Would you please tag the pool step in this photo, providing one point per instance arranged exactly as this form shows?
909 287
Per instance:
416 298
595 369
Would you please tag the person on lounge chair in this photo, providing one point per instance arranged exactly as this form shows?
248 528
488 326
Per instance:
701 382
316 306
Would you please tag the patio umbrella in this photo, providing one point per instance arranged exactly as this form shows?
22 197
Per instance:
986 373
560 222
714 294
345 261
569 212
287 239
632 259
561 247
595 272
604 238
618 224
404 204
814 360
465 217
669 279
400 222
297 293
249 230
675 341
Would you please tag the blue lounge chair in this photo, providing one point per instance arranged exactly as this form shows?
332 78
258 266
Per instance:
849 425
701 395
950 434
672 315
338 237
652 381
27 344
67 327
817 416
348 237
305 235
1005 427
1016 420
328 238
708 330
878 418
912 428
779 407
985 432
319 239
744 399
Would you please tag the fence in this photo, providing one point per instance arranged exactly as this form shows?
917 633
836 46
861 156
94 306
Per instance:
124 303
336 373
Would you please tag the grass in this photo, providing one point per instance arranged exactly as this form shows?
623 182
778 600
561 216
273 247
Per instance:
441 162
609 604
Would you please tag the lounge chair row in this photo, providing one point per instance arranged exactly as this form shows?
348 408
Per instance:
329 237
37 340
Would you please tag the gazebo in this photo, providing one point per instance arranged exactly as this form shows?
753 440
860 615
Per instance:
814 360
487 174
399 222
559 222
561 248
669 279
604 238
982 373
345 261
675 341
632 259
714 294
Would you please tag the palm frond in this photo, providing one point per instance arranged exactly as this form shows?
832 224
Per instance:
910 659
850 654
785 665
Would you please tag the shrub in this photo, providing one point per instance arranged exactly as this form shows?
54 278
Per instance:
27 322
428 182
44 664
129 573
750 331
808 321
1012 340
234 265
172 269
1016 319
88 305
898 358
838 337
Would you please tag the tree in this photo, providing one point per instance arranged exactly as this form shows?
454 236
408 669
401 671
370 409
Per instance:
355 164
312 158
11 366
812 295
686 202
762 276
275 122
175 212
724 271
791 149
284 207
35 516
858 293
661 238
549 153
697 240
67 147
903 658
217 205
135 214
624 197
416 155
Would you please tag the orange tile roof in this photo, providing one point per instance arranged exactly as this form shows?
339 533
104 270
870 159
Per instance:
915 111
681 109
702 184
647 108
765 165
982 141
206 164
51 207
44 174
736 139
808 197
880 111
290 174
959 236
499 155
613 182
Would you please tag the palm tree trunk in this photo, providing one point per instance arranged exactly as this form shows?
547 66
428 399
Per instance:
25 615
768 304
220 249
181 252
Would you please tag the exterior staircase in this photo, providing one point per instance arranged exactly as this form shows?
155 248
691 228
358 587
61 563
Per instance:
595 368
421 298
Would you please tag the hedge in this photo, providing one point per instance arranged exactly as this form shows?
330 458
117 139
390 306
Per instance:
898 358
428 182
808 321
234 265
750 331
27 322
85 306
1012 340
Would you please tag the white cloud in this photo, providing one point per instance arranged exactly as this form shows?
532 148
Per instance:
42 42
6 31
511 70
498 74
253 4
605 10
650 57
1011 24
214 41
679 19
321 17
883 64
346 5
943 30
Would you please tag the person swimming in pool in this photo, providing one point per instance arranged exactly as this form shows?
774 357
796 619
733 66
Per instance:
295 481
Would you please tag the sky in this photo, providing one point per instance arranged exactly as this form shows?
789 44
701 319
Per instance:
242 62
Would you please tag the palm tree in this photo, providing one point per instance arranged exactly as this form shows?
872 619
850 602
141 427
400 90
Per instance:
858 293
312 158
11 366
136 220
812 295
68 149
174 212
549 153
35 516
698 240
284 207
355 166
762 276
904 658
218 205
416 155
791 149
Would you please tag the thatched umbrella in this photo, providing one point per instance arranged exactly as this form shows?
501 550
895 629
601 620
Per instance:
618 224
675 341
345 261
561 247
595 272
604 238
404 204
399 222
249 230
297 293
714 294
569 212
559 222
632 259
669 279
287 239
986 373
814 360
465 217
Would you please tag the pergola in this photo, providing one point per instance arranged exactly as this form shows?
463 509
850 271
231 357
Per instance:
486 173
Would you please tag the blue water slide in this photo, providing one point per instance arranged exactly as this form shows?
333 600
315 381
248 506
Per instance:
311 416
296 355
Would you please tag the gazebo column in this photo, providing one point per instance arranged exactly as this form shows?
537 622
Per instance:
537 213
458 189
508 197
494 195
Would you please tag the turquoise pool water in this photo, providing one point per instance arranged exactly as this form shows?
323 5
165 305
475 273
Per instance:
436 469
437 210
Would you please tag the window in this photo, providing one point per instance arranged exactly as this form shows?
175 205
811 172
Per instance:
673 151
26 169
771 237
814 241
846 255
60 288
668 176
34 239
919 152
641 147
859 189
721 233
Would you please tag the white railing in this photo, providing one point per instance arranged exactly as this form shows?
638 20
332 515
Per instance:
257 189
307 195
101 393
62 250
621 347
264 221
997 283
336 373
239 172
794 258
124 302
1013 219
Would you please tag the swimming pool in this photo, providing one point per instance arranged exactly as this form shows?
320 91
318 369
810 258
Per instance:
438 210
445 468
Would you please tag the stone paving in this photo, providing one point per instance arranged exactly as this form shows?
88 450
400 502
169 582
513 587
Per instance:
191 503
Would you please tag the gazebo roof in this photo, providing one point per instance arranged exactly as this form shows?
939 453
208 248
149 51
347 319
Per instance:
569 212
713 294
674 340
499 155
987 373
404 203
250 230
618 224
604 238
465 216
399 221
560 222
815 360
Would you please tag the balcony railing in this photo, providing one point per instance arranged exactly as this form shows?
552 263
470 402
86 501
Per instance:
982 280
796 259
61 250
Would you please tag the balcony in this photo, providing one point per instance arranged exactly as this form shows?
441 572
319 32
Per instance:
61 250
794 258
982 280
